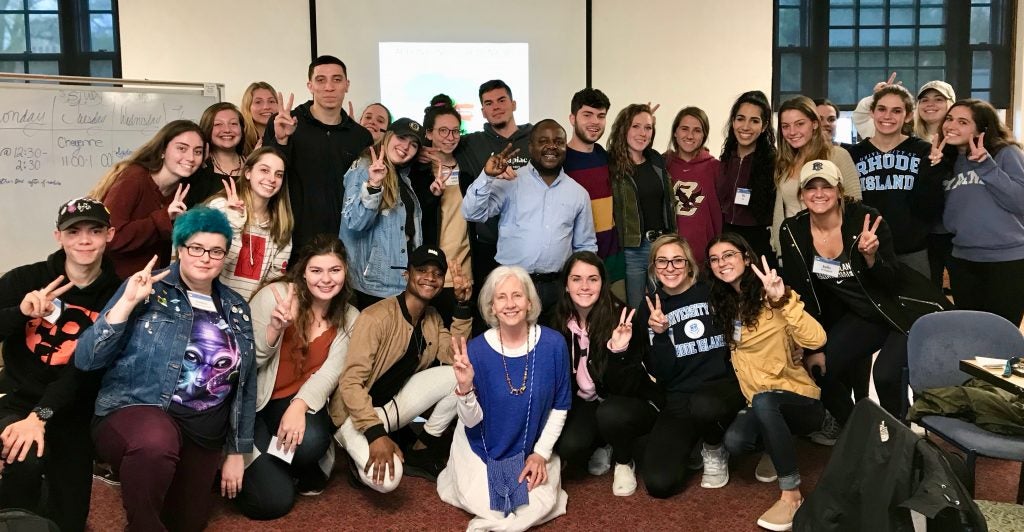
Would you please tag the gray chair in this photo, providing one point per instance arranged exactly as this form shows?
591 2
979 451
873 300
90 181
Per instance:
937 343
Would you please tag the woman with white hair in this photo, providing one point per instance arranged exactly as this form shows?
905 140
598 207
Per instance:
514 394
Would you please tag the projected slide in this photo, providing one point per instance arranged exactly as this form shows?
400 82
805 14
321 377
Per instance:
413 72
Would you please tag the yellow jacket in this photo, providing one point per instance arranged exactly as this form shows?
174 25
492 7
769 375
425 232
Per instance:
761 356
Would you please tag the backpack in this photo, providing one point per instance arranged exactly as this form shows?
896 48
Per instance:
18 520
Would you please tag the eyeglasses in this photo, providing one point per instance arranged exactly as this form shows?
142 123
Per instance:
448 132
727 256
196 250
677 263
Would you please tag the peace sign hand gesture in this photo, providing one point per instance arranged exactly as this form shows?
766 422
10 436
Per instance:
377 170
657 321
624 332
39 303
285 310
976 149
284 122
140 285
867 242
231 194
498 164
463 287
774 288
882 84
177 205
462 366
936 154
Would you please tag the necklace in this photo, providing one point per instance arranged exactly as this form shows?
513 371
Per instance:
514 390
233 171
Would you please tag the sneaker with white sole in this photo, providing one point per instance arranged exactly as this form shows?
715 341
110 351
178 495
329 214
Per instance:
765 470
624 483
716 467
779 517
829 432
601 461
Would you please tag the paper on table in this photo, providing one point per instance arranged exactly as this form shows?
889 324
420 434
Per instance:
988 362
283 453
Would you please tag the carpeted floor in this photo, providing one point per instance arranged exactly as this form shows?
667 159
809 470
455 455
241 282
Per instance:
592 507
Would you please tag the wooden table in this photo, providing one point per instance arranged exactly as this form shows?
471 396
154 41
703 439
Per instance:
1012 384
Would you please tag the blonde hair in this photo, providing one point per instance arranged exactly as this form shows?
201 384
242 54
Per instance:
149 156
692 268
280 206
818 147
252 132
389 194
499 274
920 127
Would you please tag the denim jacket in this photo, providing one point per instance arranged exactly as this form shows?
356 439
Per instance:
375 238
144 355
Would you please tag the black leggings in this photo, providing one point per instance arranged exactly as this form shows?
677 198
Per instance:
996 287
851 341
580 435
268 491
674 431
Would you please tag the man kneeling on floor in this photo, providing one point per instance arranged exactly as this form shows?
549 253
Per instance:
388 380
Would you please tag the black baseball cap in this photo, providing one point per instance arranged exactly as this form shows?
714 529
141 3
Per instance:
82 210
407 127
428 254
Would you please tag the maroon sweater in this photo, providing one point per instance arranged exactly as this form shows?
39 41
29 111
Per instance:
698 212
138 213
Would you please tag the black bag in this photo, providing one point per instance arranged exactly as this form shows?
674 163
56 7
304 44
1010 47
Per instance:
18 520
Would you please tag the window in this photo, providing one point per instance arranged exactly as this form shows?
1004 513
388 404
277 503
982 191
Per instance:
842 48
67 37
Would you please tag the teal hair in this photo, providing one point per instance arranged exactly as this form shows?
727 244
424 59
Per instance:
199 220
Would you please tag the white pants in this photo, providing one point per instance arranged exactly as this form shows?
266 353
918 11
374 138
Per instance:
432 386
464 484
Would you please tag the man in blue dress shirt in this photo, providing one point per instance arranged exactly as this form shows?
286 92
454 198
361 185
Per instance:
545 214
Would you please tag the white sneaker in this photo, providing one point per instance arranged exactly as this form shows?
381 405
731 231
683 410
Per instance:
716 467
624 483
601 461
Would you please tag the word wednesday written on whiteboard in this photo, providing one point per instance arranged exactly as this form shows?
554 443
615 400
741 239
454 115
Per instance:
57 141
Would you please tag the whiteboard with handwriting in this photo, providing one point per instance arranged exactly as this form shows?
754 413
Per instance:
56 141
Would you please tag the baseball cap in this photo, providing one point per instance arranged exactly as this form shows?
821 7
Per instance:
82 210
822 168
407 127
939 86
428 254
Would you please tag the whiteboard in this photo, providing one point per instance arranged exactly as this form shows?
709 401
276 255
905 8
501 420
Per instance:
57 141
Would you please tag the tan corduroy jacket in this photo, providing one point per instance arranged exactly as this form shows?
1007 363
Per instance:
380 340
762 358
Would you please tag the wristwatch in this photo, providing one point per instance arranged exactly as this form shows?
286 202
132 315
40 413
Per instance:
44 413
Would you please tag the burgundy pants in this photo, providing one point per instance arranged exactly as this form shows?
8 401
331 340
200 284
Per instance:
166 479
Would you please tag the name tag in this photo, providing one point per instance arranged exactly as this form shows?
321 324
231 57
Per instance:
201 301
58 306
737 330
453 178
742 196
826 267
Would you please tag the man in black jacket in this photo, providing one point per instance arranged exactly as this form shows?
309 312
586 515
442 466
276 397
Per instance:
45 415
320 142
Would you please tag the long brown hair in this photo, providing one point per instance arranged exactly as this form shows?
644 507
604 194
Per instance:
619 164
206 124
389 186
817 147
250 131
986 120
279 206
150 155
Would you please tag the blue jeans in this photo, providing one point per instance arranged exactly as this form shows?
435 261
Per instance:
636 272
771 420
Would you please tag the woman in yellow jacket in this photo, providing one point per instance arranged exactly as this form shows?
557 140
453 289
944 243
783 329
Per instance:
764 322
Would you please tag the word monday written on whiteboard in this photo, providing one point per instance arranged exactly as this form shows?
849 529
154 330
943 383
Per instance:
56 142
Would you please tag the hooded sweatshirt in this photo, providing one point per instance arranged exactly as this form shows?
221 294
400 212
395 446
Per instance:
985 207
698 213
37 354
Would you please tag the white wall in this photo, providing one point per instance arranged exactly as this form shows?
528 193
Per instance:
679 53
224 41
1017 91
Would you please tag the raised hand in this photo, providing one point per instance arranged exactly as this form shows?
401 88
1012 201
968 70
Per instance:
654 109
460 283
441 174
657 321
284 122
774 288
976 149
351 110
177 205
936 154
231 193
882 84
867 243
286 309
39 303
378 170
462 366
498 164
624 332
140 285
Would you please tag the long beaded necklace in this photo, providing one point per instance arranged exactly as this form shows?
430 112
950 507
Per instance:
514 390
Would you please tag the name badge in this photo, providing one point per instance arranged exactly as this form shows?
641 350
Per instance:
826 267
737 330
201 301
58 306
742 196
452 180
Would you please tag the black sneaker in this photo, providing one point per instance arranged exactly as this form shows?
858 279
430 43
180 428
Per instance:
104 474
312 485
424 463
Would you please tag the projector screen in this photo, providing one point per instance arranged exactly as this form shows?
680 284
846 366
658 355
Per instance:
411 73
